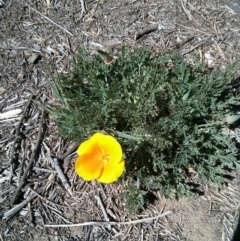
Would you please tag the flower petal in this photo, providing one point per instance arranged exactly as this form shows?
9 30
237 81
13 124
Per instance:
111 172
111 147
88 166
100 157
89 145
102 142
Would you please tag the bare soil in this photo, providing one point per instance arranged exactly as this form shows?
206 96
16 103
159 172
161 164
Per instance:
40 38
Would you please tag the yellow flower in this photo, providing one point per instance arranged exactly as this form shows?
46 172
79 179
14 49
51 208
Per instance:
100 157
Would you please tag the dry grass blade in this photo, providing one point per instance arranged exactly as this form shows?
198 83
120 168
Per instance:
196 45
188 13
48 201
108 223
50 20
103 209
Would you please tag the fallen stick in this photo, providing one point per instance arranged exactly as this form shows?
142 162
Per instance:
10 114
16 209
103 210
7 191
18 129
43 170
145 32
73 148
30 163
82 7
187 12
60 173
198 44
107 223
99 201
50 20
50 202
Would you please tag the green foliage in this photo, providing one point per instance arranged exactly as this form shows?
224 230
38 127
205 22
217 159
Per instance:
135 199
168 116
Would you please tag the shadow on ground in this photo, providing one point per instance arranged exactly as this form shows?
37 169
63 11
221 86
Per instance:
236 236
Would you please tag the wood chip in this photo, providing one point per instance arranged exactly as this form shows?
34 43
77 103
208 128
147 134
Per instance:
10 114
33 59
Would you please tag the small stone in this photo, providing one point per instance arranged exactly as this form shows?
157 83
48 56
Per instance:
34 58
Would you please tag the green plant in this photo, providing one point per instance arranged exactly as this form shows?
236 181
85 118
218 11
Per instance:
135 199
169 117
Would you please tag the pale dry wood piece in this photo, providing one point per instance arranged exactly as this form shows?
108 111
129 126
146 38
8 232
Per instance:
178 45
13 119
112 42
7 191
61 175
198 44
43 170
10 114
73 147
30 211
107 223
188 13
24 151
50 20
82 7
16 209
99 201
193 29
146 31
21 48
183 3
48 3
33 58
219 49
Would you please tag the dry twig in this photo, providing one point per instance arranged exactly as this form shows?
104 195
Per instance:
50 20
188 13
61 175
82 7
9 115
43 170
16 209
48 201
18 129
198 44
99 201
21 48
6 191
192 29
146 31
107 223
72 149
34 154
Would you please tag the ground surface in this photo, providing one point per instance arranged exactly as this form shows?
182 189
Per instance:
42 37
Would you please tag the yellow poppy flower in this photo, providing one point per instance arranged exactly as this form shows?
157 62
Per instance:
100 157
